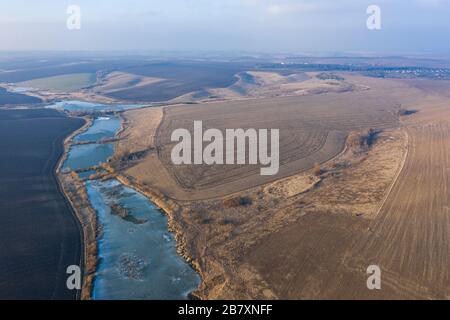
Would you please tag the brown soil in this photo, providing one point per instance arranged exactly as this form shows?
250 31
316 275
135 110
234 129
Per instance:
312 130
310 235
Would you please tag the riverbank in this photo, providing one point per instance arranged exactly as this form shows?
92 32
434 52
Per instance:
140 141
75 192
116 265
220 235
171 209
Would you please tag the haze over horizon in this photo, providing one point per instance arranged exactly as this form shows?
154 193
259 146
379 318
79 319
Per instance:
408 26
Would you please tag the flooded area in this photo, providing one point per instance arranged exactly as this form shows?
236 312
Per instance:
84 156
75 105
103 127
137 257
137 254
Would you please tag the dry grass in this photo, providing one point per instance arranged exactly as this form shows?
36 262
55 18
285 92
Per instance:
307 235
258 84
408 238
140 129
312 130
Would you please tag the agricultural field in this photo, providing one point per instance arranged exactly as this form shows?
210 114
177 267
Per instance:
308 233
13 98
407 236
264 84
313 129
39 234
362 178
118 81
203 151
124 80
136 79
62 83
35 67
179 79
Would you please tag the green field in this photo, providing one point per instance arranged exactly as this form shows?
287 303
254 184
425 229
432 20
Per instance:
64 83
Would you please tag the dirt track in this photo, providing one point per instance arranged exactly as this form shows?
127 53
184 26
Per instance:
409 239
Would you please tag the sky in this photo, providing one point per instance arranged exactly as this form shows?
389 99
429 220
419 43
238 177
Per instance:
272 26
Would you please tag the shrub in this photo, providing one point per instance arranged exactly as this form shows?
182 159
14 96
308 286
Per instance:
237 202
317 169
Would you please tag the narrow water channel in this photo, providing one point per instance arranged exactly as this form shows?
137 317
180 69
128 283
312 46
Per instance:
137 256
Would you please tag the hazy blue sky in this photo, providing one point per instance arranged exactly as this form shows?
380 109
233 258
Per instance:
408 26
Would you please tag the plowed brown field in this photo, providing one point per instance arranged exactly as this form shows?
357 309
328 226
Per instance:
312 128
409 239
305 236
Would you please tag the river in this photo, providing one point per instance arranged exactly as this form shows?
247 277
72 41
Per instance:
137 257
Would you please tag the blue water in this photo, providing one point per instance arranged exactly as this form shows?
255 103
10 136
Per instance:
19 89
86 174
103 127
74 105
137 257
136 260
88 155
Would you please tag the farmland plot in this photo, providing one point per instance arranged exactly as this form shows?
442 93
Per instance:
312 130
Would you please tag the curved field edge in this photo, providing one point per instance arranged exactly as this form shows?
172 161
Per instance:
45 235
192 239
304 140
237 264
75 192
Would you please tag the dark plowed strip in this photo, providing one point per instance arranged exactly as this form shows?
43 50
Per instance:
39 236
